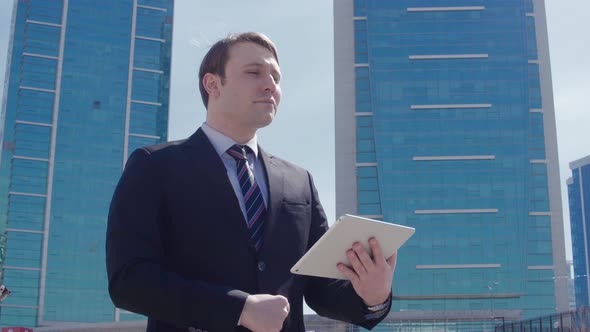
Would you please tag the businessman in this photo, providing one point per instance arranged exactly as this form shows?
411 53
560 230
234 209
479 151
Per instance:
202 232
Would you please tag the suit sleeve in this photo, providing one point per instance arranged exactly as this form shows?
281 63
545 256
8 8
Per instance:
333 298
138 278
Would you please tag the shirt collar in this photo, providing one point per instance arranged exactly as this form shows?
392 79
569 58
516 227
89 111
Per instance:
222 142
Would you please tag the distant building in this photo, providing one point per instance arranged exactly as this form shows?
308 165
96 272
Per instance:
578 187
571 292
445 122
87 83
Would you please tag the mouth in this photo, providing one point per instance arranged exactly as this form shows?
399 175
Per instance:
266 101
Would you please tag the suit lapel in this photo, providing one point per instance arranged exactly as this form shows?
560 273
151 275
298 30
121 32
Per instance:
274 179
210 169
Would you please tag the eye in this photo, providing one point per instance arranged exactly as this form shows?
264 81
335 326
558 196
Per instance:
253 72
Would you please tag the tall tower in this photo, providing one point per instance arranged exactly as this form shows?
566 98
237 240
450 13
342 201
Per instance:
579 200
87 83
445 122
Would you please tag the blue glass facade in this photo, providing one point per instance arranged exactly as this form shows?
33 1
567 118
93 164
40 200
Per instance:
88 82
578 187
450 139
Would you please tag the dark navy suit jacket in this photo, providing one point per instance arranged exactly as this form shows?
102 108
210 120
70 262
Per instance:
178 249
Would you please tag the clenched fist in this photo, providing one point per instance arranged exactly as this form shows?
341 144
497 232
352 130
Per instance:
264 312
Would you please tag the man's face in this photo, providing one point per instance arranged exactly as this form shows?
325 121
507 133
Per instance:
250 93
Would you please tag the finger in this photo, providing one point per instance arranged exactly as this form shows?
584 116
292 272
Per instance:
348 272
364 257
392 261
357 266
377 252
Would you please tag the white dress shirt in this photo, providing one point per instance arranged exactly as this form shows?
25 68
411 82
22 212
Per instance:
221 143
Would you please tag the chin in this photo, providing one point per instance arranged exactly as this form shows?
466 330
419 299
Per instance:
265 123
265 120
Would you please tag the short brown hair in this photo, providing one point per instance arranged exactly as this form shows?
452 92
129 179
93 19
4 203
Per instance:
215 60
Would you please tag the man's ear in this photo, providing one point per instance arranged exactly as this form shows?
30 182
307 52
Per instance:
211 82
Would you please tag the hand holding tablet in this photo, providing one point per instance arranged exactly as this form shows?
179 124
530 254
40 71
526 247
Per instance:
323 257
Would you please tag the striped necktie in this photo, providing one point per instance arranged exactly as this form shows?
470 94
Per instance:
253 200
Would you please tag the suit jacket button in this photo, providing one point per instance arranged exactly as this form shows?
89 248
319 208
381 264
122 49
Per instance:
261 266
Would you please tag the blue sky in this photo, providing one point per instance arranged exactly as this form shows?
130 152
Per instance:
303 131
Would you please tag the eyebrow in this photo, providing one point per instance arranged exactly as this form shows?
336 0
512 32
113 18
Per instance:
258 64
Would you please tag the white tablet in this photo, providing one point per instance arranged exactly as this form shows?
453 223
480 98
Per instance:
321 259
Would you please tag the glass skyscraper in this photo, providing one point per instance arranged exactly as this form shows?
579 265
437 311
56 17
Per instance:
445 122
87 83
578 187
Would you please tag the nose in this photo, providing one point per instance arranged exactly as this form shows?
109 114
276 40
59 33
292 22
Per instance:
270 84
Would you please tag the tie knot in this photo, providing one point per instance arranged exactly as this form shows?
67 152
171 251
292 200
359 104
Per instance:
238 152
